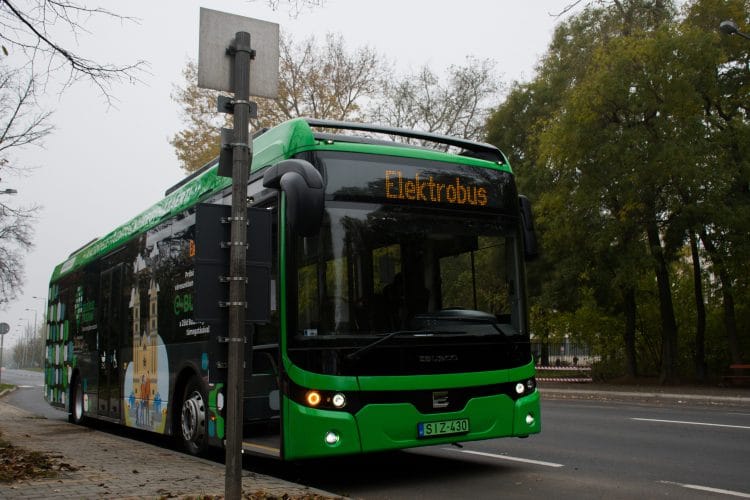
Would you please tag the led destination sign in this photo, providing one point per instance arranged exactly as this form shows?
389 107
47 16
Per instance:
427 190
412 181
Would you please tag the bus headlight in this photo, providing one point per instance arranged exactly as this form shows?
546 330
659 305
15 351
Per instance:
331 438
338 400
321 399
520 387
530 419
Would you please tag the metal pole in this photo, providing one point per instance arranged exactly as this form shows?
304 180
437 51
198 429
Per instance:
241 152
2 341
31 341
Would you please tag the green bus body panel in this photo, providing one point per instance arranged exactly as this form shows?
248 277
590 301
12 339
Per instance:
319 381
381 427
411 152
444 381
305 429
281 142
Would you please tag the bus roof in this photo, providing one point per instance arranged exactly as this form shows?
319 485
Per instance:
284 141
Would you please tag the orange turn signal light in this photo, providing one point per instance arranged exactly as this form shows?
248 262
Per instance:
313 398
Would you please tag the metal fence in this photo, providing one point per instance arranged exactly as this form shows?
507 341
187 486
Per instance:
562 354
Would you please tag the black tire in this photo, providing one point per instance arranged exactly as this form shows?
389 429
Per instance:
193 418
76 402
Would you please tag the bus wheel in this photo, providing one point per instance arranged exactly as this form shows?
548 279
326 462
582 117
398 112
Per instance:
193 418
76 402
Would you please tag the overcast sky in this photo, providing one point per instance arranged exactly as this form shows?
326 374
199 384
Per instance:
103 165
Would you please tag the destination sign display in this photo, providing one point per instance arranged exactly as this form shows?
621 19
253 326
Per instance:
399 187
390 179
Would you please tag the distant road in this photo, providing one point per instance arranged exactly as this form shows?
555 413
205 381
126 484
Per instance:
22 378
29 394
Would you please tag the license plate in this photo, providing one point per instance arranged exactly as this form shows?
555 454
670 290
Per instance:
442 428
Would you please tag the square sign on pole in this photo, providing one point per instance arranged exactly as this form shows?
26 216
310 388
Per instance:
215 66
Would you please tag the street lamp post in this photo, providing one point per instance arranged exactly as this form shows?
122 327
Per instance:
31 341
729 27
24 344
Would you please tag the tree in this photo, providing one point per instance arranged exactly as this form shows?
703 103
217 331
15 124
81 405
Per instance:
28 352
327 81
29 34
725 208
618 133
21 125
537 122
314 81
633 141
199 142
324 82
34 55
294 7
458 107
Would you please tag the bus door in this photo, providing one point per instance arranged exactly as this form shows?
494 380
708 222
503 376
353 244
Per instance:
262 396
110 332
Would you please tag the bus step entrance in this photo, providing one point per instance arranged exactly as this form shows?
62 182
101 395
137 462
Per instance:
262 438
262 445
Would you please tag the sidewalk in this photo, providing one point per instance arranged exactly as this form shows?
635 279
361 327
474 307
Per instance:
706 395
104 465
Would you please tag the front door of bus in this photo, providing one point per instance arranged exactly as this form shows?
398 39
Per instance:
110 332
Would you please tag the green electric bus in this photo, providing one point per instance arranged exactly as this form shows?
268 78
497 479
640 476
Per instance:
386 302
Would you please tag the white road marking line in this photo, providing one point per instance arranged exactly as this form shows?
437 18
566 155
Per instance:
692 423
709 489
507 457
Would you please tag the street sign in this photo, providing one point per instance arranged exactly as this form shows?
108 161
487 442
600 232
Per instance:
215 66
4 328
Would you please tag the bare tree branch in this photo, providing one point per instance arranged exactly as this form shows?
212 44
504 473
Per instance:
22 124
28 31
294 7
458 107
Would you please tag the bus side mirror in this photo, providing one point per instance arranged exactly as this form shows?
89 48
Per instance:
530 248
303 186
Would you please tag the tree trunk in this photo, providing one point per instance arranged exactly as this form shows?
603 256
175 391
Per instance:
700 310
666 308
727 293
629 335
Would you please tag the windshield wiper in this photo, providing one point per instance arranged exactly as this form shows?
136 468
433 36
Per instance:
363 349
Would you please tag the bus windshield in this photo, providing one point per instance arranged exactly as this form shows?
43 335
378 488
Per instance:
378 269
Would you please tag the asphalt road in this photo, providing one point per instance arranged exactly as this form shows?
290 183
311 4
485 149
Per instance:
587 449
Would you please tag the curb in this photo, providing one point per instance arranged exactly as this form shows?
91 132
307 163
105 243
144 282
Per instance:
7 391
590 393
